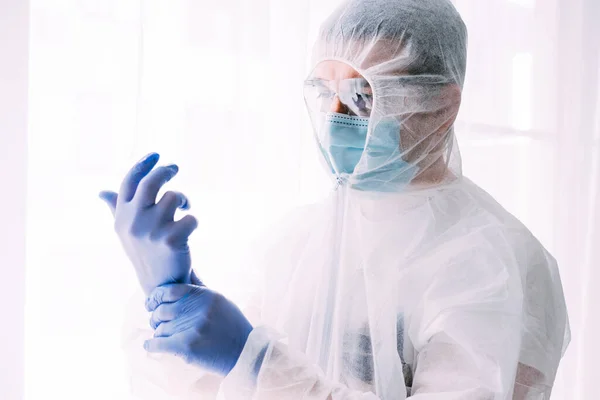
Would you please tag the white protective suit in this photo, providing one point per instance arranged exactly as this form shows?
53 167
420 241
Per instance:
430 290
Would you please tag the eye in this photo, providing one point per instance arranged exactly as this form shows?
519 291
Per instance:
363 102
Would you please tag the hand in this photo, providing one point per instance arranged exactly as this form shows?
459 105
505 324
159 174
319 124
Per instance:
197 324
155 243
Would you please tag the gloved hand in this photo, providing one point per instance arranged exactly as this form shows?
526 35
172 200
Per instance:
155 243
197 324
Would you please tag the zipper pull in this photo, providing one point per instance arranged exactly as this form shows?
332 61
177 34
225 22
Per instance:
338 182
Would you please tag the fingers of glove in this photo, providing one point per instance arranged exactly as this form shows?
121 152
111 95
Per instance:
166 329
180 344
135 175
110 198
163 313
170 202
151 184
163 345
169 293
181 230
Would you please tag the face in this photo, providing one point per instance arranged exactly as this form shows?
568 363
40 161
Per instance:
338 88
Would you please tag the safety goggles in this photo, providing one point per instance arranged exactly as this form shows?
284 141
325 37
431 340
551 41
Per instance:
354 94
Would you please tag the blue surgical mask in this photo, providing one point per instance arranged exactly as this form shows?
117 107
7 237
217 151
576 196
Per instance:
343 140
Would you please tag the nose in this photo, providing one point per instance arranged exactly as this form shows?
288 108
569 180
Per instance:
338 107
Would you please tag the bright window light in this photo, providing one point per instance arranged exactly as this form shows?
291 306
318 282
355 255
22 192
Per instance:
521 91
524 3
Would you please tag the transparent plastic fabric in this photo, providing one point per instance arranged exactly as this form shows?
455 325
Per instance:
436 294
409 280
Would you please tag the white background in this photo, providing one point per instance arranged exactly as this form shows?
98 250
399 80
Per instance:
216 86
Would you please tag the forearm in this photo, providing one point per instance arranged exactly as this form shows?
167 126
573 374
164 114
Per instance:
270 370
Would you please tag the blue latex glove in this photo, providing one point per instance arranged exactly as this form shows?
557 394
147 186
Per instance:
155 243
197 324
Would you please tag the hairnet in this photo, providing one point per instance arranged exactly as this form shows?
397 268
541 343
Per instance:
382 37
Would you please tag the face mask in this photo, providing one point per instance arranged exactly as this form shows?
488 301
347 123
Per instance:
343 141
382 168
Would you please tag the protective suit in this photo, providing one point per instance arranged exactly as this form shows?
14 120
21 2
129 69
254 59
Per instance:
409 280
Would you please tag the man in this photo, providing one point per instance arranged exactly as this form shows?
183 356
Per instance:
408 281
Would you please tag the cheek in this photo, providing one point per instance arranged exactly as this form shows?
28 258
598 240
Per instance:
414 130
422 127
421 135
